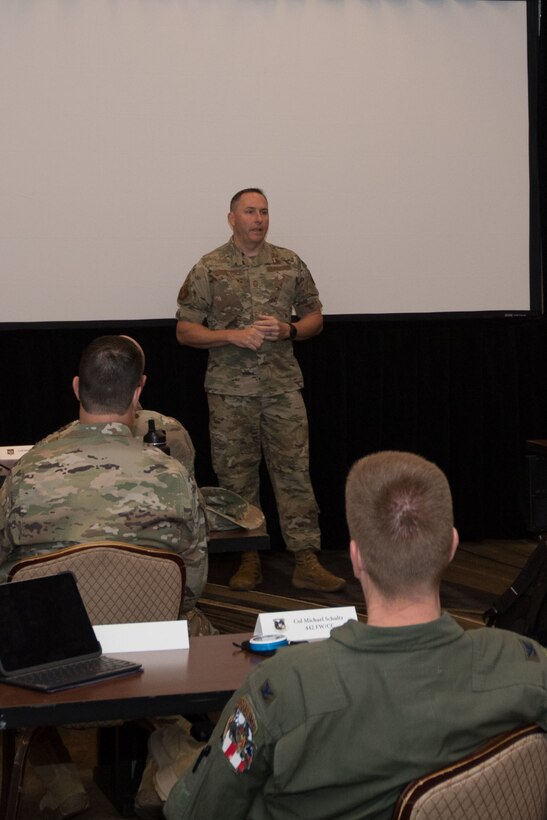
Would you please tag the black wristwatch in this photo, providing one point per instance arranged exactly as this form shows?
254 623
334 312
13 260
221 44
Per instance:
293 331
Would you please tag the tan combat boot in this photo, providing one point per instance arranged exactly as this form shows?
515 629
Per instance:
309 574
249 574
65 795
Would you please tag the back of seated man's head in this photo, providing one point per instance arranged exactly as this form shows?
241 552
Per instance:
111 368
399 512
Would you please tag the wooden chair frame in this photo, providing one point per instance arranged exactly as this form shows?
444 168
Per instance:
515 764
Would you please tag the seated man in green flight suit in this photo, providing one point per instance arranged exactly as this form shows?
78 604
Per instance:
338 727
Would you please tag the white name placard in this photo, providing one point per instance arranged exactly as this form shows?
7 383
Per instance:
144 637
11 455
304 624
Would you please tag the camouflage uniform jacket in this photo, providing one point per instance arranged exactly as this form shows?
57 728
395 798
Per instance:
393 703
91 482
230 290
178 437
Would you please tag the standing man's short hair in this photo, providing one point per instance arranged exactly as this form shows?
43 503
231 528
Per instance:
399 512
111 368
236 197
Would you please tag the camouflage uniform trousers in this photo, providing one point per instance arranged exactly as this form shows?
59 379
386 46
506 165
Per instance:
243 428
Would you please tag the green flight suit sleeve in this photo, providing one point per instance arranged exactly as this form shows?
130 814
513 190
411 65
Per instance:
259 745
231 769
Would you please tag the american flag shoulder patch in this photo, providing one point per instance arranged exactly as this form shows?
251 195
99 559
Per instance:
238 737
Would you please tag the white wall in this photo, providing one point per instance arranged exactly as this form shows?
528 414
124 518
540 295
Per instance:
391 137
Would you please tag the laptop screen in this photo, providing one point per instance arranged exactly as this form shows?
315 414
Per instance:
43 621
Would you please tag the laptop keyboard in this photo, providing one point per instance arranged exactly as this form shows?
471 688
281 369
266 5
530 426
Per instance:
71 674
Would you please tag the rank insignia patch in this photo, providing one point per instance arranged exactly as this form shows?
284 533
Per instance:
237 739
183 292
529 651
267 692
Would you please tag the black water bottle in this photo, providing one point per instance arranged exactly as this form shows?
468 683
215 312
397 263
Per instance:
156 438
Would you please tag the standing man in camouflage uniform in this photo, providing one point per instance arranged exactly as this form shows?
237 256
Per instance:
246 291
94 480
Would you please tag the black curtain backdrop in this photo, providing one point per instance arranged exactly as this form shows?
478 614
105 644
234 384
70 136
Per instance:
465 393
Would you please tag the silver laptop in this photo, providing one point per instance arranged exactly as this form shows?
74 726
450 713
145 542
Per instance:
47 641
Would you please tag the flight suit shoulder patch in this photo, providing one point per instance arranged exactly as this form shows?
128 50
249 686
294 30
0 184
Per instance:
237 742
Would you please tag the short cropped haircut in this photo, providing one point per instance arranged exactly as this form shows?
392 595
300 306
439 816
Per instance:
399 513
110 370
236 197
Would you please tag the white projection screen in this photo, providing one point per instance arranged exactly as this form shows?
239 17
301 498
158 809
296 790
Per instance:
390 136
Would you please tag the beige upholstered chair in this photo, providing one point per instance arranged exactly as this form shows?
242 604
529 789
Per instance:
119 583
506 779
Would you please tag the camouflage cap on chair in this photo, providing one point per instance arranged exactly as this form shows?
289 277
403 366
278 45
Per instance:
228 511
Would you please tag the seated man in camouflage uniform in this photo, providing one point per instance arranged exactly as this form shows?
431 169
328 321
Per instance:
95 480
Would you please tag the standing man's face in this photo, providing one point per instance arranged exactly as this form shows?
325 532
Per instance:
249 222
